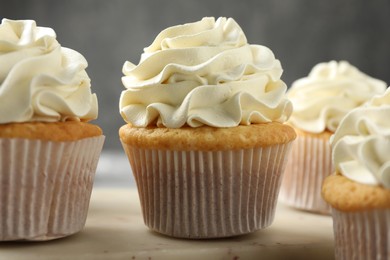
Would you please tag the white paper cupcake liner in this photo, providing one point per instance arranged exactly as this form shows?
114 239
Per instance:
45 187
200 194
362 235
308 164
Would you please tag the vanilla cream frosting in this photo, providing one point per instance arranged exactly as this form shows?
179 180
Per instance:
39 79
204 73
325 96
361 144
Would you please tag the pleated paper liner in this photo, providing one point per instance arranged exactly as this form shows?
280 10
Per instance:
362 235
45 187
308 164
200 194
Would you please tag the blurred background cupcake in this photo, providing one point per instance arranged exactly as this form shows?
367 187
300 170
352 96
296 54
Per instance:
320 101
205 134
359 192
48 151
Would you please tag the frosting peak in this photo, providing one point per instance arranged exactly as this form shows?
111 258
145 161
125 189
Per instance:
326 95
39 79
204 73
207 32
361 144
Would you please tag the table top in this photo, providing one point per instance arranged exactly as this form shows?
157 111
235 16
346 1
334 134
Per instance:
115 230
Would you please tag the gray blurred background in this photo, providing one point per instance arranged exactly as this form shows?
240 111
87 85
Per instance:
301 33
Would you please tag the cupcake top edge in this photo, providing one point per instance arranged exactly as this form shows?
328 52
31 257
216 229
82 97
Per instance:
41 81
204 73
361 143
328 93
207 138
347 195
50 131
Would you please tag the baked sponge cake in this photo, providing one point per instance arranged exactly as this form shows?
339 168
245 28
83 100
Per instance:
359 191
205 132
48 149
205 138
346 195
320 101
50 131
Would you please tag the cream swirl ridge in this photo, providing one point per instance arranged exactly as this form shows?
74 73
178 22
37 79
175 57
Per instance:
329 92
204 73
361 144
39 79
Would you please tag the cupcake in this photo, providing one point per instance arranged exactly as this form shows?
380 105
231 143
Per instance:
48 150
320 101
359 191
204 134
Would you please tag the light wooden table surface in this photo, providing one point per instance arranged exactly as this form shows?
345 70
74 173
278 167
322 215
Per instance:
115 230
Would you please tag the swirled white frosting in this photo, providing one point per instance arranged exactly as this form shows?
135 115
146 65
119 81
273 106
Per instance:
39 79
361 144
331 90
204 73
